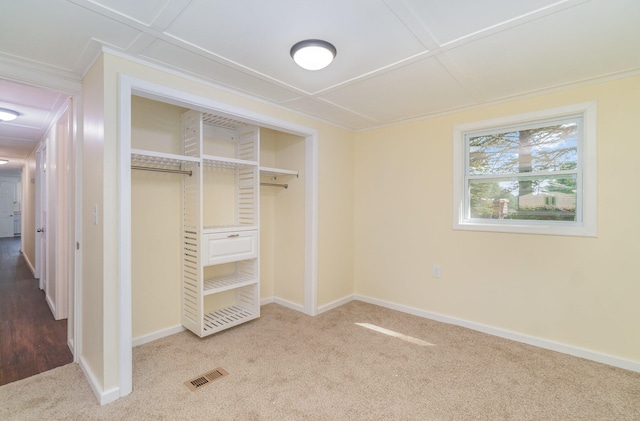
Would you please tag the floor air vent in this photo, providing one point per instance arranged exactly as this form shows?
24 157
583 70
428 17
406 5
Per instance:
205 379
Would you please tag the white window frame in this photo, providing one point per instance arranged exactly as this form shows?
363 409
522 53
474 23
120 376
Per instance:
586 206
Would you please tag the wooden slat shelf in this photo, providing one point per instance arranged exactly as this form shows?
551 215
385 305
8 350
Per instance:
224 318
227 282
276 172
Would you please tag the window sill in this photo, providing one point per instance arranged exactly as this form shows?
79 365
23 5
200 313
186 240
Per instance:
541 228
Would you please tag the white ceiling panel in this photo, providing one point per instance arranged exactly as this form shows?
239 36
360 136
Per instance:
19 137
451 20
568 46
9 147
56 32
213 71
143 11
424 87
259 35
330 113
19 132
12 93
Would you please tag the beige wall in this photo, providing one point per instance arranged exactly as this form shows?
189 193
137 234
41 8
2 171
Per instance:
572 290
283 241
94 313
155 221
268 139
335 215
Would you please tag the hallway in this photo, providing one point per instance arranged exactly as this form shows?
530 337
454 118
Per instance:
31 341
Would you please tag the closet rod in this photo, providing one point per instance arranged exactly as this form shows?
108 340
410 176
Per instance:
286 186
134 167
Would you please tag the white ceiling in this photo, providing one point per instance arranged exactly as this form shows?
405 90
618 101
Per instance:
397 59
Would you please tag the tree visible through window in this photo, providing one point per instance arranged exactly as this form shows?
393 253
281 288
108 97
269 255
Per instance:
530 173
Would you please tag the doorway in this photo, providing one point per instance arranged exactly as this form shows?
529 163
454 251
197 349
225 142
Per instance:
42 255
7 201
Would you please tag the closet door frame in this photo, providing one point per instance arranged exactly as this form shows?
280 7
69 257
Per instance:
128 86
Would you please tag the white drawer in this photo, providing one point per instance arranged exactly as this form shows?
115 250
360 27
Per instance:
232 246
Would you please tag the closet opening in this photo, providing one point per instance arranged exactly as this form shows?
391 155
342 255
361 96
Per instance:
247 183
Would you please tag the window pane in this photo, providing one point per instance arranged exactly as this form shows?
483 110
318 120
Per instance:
549 148
524 198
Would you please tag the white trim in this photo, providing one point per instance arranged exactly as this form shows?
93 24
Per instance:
588 165
508 334
150 337
77 283
268 300
311 225
288 304
103 397
125 317
127 86
52 305
31 268
41 75
335 304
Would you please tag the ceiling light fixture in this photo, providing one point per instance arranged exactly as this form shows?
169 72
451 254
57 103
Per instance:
4 161
313 54
8 115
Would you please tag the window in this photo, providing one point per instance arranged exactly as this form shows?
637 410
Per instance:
530 173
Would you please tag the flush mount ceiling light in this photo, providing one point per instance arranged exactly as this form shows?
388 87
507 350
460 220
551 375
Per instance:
8 115
4 161
313 54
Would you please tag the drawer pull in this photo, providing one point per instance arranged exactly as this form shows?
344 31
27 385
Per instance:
233 235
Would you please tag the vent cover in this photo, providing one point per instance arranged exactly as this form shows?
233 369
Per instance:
205 379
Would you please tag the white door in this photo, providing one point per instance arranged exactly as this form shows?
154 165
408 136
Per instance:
7 197
41 217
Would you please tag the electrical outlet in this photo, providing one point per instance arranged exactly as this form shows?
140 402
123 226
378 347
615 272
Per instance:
435 271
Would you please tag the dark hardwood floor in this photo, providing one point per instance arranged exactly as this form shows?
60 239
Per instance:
31 341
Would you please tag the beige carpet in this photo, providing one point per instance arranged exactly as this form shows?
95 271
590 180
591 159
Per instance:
288 366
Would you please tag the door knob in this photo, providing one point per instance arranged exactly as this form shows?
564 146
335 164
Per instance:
40 230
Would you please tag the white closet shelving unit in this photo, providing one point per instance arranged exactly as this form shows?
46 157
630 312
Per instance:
220 224
220 218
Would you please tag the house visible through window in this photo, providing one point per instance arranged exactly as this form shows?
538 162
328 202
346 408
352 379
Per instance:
530 173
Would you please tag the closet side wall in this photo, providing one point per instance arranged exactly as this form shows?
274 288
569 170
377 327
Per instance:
290 221
155 221
267 217
282 223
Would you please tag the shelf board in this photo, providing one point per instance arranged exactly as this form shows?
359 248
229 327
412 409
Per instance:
160 158
227 282
275 172
226 317
223 161
211 229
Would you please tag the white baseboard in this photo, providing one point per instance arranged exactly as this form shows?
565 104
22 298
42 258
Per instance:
52 306
265 301
335 304
282 302
157 335
103 397
71 344
31 268
507 334
289 304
